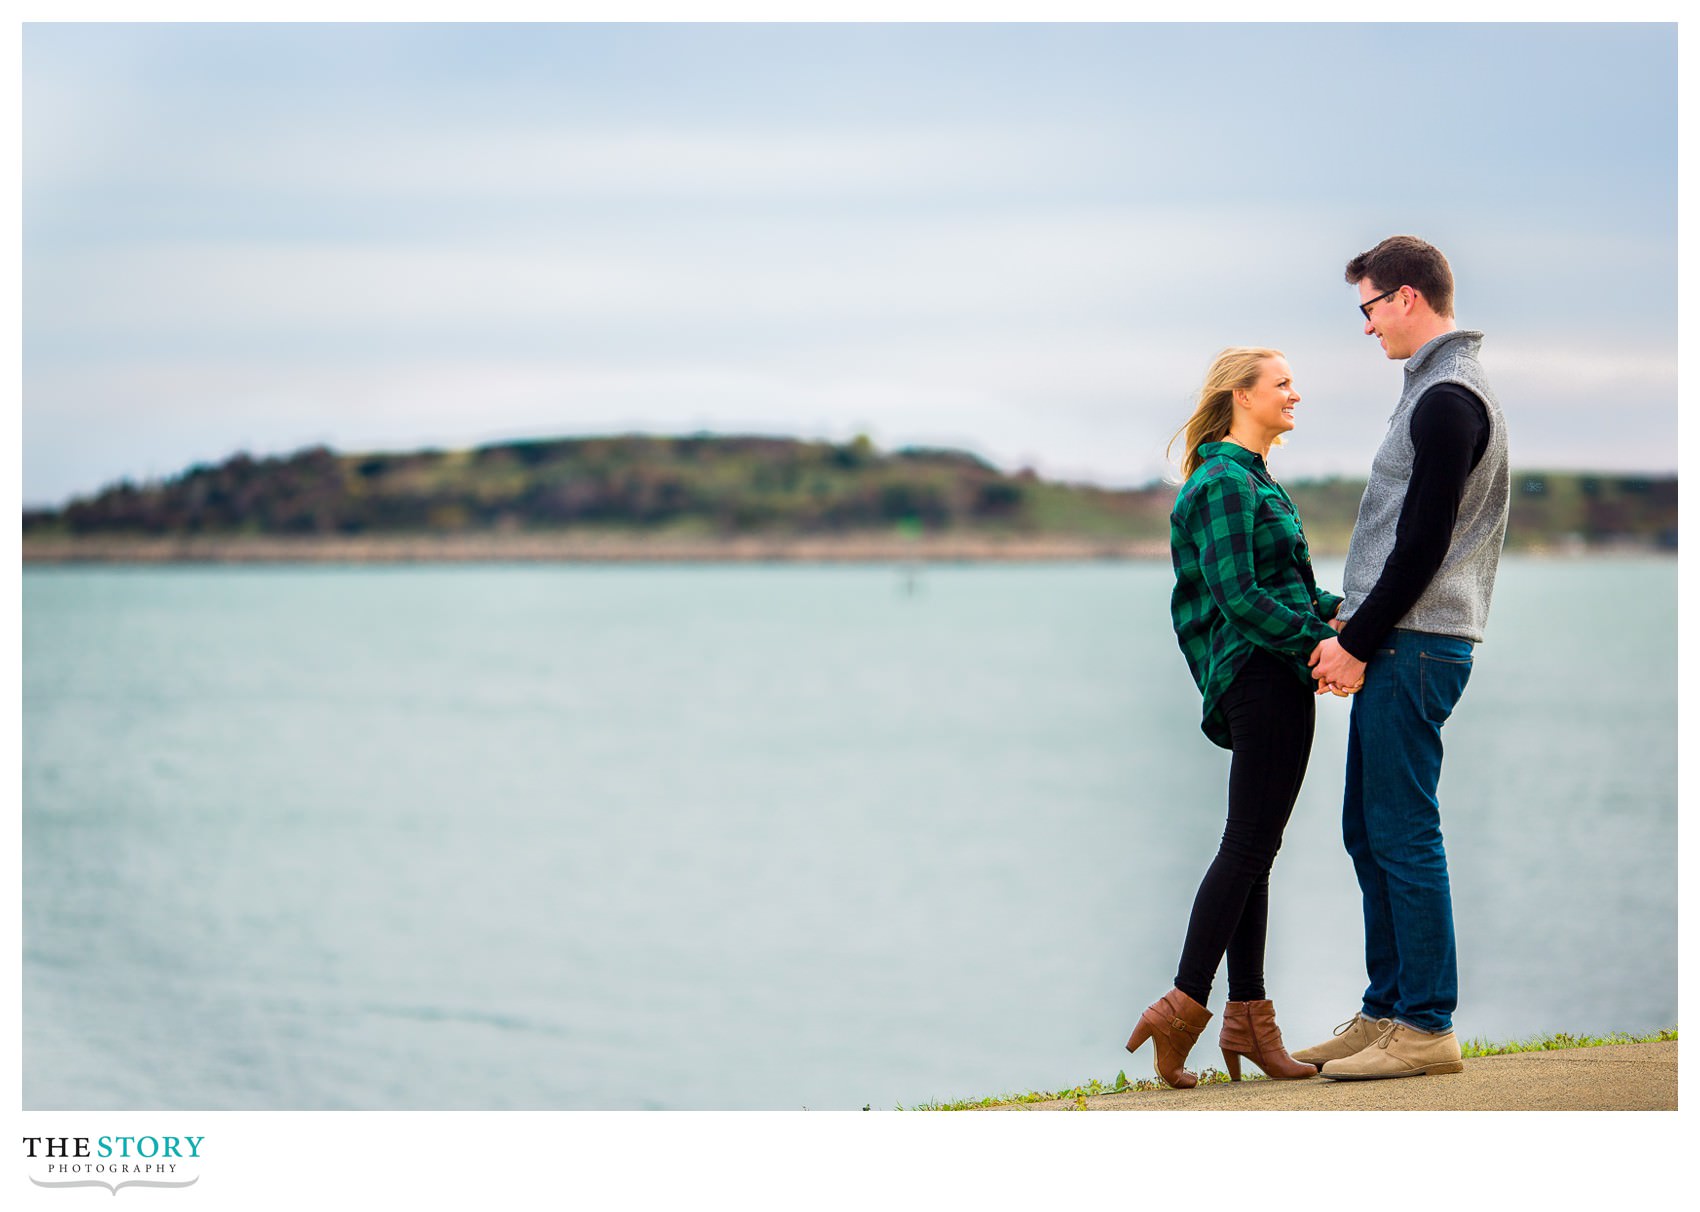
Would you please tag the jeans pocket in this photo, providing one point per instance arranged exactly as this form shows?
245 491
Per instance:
1443 680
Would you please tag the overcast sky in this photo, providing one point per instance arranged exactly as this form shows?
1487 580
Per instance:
1023 240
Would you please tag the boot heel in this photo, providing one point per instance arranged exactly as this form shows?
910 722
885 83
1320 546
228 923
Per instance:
1141 1033
1232 1061
1249 1030
1172 1024
1445 1067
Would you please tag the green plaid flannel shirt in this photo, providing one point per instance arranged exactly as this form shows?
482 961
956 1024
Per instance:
1243 578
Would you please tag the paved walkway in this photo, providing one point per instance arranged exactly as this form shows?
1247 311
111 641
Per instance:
1615 1077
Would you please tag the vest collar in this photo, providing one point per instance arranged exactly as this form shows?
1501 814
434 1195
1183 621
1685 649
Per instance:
1471 341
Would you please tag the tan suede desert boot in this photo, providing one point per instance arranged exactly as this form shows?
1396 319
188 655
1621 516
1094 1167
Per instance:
1350 1038
1400 1051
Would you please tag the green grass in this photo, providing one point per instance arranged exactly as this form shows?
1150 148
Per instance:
1551 1043
1122 1084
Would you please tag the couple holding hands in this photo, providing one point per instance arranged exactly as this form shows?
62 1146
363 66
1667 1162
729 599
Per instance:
1262 641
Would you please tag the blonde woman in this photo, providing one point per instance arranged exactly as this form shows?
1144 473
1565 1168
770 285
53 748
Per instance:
1248 615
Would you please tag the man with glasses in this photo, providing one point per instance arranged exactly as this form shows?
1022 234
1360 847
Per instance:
1418 582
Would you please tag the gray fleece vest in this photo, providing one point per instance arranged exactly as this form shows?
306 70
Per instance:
1456 600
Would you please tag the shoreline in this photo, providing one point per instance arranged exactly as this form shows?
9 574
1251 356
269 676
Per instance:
581 548
590 548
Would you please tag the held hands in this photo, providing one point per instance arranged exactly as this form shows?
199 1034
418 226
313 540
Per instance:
1336 671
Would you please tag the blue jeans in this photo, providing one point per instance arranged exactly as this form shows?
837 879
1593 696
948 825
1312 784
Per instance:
1392 826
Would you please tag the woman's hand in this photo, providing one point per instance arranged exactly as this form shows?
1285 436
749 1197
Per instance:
1335 669
1339 692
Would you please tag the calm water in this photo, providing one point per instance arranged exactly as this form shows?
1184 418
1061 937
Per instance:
751 837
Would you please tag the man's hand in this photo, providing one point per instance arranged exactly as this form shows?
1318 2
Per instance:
1335 669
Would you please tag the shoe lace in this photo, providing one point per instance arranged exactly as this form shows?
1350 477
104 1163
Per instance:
1387 1026
1381 1025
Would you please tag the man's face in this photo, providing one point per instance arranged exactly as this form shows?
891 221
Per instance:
1388 319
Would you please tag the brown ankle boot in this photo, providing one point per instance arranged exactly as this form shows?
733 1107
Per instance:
1174 1023
1249 1030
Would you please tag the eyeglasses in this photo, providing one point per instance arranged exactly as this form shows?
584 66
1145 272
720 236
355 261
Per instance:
1386 294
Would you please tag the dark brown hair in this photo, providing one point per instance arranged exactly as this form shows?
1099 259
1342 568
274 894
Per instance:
1406 261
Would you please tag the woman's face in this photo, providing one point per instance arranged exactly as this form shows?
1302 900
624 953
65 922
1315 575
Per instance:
1268 404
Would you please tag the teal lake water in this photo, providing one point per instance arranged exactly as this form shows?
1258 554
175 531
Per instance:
752 836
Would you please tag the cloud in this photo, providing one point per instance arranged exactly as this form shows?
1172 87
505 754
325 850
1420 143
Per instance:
364 162
1572 366
1052 267
233 254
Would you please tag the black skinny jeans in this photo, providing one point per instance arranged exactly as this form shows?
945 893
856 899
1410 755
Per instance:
1272 719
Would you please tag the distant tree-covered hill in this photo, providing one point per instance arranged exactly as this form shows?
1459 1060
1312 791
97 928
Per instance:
733 485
